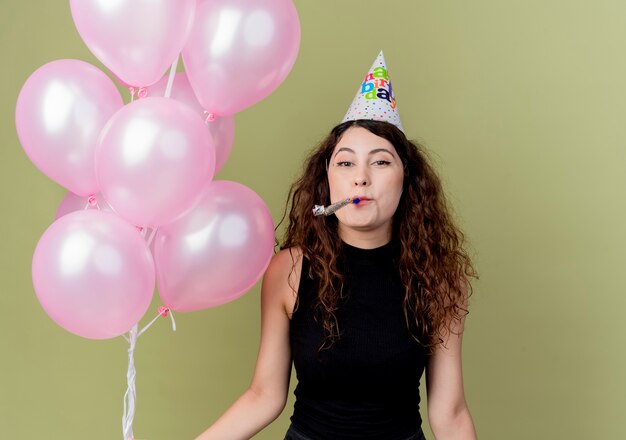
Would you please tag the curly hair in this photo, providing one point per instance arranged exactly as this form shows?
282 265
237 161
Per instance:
434 267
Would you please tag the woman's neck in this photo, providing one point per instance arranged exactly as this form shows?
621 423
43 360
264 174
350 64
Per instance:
365 239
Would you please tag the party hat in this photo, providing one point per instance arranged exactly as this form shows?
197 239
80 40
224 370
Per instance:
374 99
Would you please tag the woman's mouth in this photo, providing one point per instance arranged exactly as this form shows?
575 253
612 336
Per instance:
361 200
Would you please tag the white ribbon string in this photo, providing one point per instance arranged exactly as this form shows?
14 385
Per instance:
129 396
131 374
152 234
170 79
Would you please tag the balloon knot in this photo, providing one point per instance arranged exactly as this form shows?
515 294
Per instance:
92 200
139 228
142 93
163 311
210 117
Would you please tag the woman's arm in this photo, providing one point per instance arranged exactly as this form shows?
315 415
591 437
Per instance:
266 396
448 414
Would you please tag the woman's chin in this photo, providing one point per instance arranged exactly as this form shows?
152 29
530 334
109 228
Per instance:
360 224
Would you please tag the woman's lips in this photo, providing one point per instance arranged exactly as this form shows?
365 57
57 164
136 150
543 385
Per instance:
362 200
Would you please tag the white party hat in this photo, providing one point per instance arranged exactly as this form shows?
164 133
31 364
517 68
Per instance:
374 99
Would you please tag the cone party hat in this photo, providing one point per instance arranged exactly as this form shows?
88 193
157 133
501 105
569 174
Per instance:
375 99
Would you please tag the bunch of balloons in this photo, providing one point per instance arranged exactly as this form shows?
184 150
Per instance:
148 166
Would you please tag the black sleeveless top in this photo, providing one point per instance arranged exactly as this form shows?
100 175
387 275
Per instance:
365 386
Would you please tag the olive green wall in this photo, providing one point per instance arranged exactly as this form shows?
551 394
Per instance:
523 106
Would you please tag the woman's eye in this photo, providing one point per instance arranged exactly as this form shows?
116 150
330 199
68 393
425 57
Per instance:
344 163
381 162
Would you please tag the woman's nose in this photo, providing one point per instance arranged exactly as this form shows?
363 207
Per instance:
360 181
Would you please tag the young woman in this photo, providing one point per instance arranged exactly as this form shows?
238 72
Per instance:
362 301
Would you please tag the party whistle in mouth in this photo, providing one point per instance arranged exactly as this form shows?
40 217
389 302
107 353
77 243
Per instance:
330 209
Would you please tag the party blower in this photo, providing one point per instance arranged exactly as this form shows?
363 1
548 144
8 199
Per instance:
331 209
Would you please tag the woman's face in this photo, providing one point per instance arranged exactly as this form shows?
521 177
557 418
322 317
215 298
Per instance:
366 166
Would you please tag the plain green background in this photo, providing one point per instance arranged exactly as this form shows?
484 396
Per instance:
523 107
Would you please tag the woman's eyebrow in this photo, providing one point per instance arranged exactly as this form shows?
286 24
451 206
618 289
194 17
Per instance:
350 150
378 150
374 151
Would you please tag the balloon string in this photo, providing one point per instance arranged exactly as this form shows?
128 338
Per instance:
131 374
163 312
129 396
170 79
152 234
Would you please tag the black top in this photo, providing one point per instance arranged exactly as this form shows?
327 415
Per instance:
365 386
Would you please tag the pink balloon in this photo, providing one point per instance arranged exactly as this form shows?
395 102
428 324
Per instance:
71 202
93 274
60 111
217 252
222 129
153 159
136 39
240 51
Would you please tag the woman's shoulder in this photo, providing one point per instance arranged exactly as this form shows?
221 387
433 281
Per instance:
285 260
282 276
